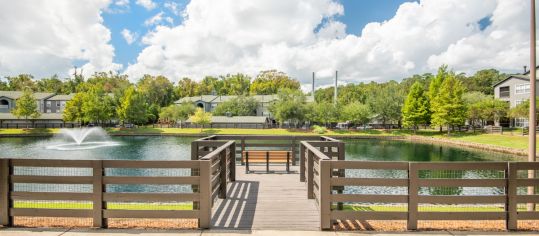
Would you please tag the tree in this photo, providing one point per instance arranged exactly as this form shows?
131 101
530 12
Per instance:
73 110
386 102
26 106
357 113
522 110
450 109
175 113
185 88
21 82
132 107
494 109
483 80
289 106
272 81
435 85
237 84
238 106
98 106
50 85
156 90
201 118
416 108
325 113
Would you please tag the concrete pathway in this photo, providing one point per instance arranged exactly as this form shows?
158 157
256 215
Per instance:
135 232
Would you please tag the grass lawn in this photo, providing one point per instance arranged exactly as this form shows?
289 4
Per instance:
508 139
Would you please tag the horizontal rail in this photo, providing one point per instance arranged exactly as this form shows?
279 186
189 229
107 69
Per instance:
369 198
150 164
149 197
369 215
51 163
150 214
50 212
462 199
370 165
151 180
461 215
37 179
368 182
460 166
51 196
462 182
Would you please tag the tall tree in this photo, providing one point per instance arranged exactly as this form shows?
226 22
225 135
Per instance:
73 110
132 107
357 113
271 81
98 106
449 109
289 106
237 84
435 86
483 80
21 82
416 109
157 90
185 88
26 106
386 102
50 85
326 113
177 113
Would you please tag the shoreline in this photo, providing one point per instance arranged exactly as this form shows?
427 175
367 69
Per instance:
413 138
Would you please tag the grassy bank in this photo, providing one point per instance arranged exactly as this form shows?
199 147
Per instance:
507 140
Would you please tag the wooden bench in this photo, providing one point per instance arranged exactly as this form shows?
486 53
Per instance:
266 156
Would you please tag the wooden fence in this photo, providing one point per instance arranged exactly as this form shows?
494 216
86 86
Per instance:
208 178
322 179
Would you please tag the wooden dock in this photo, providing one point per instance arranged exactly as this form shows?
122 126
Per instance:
266 201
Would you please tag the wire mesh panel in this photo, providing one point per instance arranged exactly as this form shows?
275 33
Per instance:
525 204
374 196
150 194
460 196
50 193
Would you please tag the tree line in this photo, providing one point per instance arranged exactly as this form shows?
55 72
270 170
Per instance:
442 99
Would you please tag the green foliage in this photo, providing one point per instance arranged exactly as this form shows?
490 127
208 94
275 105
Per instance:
271 81
201 118
357 113
449 108
50 85
21 82
290 106
175 113
98 106
156 90
132 107
73 110
323 113
483 81
522 110
186 88
319 129
386 102
416 109
237 84
238 106
26 106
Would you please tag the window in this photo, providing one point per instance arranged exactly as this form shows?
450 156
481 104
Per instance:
57 104
522 88
504 92
521 122
63 103
48 103
518 102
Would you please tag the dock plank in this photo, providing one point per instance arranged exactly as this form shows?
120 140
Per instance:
266 201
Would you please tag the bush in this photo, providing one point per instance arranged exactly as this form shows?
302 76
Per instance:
319 129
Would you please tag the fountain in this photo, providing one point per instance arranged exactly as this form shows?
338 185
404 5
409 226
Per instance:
82 139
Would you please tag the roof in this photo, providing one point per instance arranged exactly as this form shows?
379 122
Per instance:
62 97
516 76
237 119
43 116
18 94
204 98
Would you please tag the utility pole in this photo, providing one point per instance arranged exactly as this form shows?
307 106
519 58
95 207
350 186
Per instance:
532 119
312 89
335 93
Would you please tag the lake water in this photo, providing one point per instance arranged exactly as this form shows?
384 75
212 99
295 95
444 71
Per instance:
178 148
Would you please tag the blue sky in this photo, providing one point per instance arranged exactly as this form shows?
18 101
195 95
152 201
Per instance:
219 37
357 13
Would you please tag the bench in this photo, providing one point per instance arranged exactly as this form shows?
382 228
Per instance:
266 156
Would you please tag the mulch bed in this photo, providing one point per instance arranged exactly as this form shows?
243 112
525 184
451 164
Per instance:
400 226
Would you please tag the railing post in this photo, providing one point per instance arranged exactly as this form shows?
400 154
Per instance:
194 157
242 148
325 194
511 193
5 185
413 190
310 175
205 194
98 190
232 156
301 163
294 149
341 172
222 174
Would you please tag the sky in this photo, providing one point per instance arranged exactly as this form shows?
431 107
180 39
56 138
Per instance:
367 40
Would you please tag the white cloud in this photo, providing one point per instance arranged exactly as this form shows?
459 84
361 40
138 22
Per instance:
173 7
228 36
154 20
121 3
129 36
48 37
148 4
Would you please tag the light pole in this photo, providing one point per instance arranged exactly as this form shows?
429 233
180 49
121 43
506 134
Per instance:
532 118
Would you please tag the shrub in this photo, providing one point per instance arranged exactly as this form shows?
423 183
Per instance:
319 129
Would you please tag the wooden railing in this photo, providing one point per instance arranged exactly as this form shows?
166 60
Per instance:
208 177
322 179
